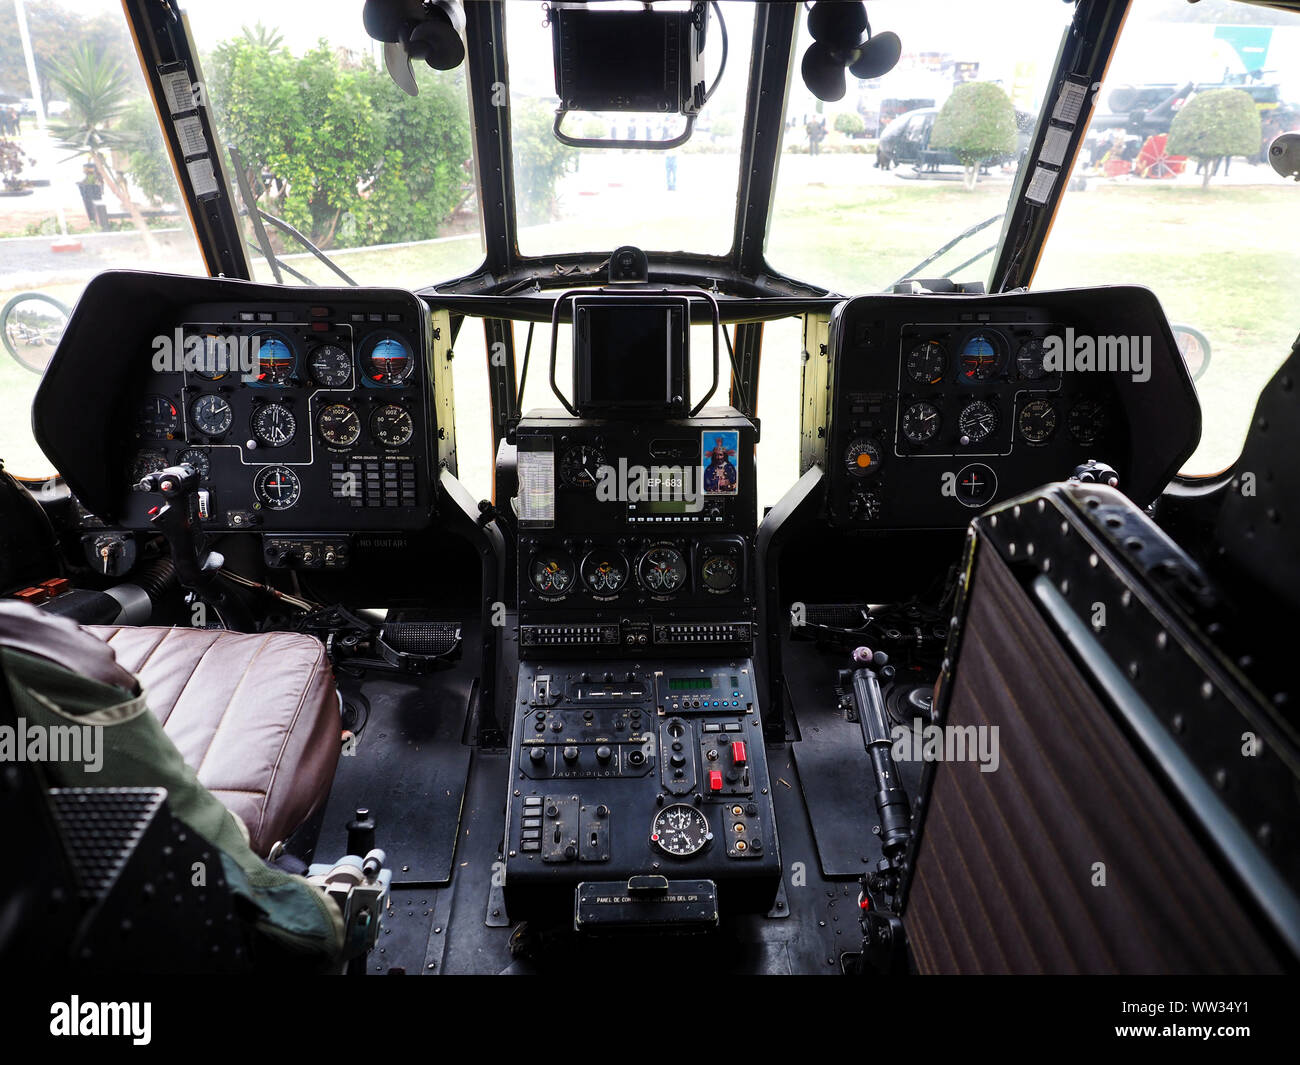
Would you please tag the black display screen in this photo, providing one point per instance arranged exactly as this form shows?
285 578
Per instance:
630 355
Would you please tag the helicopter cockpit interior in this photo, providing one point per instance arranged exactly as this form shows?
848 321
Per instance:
664 559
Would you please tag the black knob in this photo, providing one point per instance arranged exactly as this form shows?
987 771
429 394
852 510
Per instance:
602 810
571 754
538 754
678 759
603 753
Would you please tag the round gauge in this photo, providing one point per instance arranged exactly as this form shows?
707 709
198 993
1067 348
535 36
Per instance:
976 485
862 457
211 414
274 359
338 425
386 359
977 421
215 357
1087 420
198 458
720 573
579 465
680 830
1037 421
277 487
927 363
1029 360
330 366
273 424
604 572
157 419
391 425
662 570
551 572
980 357
146 462
921 422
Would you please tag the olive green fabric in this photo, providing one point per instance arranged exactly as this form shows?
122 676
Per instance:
134 751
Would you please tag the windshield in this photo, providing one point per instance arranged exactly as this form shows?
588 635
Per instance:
578 199
322 140
872 184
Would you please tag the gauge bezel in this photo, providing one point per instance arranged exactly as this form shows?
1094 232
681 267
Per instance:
259 495
198 423
852 469
346 363
604 553
920 441
1099 420
374 433
289 376
917 347
1032 402
204 472
153 434
684 565
990 432
565 478
261 409
561 554
340 445
698 815
1001 348
366 351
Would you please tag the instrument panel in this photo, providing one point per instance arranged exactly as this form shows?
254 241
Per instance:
296 413
942 405
635 536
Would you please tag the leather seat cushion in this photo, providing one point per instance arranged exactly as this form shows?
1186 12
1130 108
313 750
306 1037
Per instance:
256 716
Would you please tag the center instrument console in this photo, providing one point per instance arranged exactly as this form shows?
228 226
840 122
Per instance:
640 794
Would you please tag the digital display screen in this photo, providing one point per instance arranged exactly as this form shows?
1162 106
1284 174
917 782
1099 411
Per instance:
632 360
667 506
689 684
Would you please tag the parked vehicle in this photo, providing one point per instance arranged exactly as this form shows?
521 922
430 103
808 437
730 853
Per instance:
907 140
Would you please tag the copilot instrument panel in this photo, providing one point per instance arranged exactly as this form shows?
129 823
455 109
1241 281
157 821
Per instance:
942 405
311 413
635 536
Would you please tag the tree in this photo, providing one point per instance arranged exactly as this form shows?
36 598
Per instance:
1213 125
850 123
976 123
52 27
539 158
147 162
98 90
336 149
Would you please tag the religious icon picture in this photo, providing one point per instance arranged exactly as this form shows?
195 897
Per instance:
721 474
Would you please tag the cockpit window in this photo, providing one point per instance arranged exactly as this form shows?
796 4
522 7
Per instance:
323 142
582 199
873 184
1173 190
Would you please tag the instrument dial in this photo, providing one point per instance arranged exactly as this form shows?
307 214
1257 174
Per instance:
579 465
330 366
552 572
980 358
211 414
680 830
274 424
604 572
662 570
921 422
977 421
145 462
391 425
862 457
199 459
274 360
1029 360
387 359
339 425
1087 420
1037 421
157 419
720 574
277 487
976 485
927 363
218 356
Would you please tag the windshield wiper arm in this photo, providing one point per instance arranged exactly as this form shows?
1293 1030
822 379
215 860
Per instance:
285 227
949 246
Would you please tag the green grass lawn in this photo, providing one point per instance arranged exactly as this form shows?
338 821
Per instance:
1224 261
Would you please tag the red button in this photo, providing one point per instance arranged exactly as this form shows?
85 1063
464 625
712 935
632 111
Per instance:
56 585
738 752
715 780
39 595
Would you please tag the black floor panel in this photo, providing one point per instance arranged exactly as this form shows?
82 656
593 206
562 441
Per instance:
409 768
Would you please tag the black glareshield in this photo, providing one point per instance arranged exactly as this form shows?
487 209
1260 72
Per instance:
631 353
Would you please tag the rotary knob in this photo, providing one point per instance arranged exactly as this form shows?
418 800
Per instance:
571 754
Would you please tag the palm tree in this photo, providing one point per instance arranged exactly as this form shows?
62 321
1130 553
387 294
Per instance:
266 38
99 92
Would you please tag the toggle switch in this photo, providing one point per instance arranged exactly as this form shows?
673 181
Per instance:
715 780
738 754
